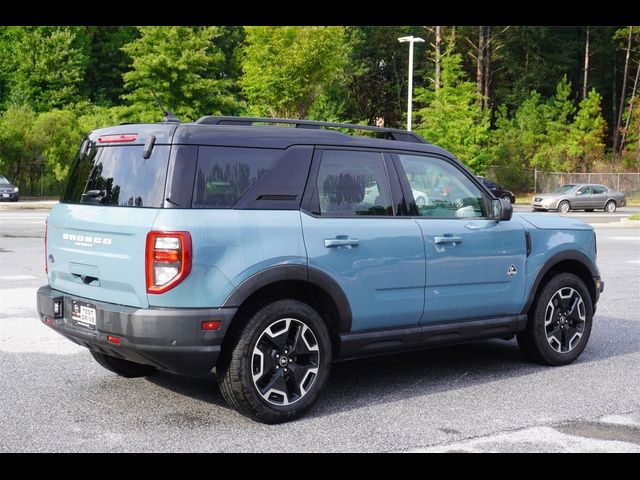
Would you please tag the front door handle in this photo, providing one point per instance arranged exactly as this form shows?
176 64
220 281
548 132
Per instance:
446 239
341 241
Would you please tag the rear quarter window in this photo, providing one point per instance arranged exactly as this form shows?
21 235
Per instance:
224 174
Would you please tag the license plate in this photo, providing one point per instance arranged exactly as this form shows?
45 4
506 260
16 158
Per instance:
83 313
5 195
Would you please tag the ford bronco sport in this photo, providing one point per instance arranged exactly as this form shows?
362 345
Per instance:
267 252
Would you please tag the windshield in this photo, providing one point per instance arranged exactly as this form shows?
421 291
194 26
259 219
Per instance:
4 181
564 189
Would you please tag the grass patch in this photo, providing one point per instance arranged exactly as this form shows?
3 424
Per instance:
635 216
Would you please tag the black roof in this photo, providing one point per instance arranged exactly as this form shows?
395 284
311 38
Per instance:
257 136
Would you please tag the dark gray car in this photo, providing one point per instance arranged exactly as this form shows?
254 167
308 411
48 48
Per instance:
579 196
8 191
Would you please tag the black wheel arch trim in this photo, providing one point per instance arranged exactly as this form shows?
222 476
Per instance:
280 273
555 260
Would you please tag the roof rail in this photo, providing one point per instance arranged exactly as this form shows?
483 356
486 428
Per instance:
389 133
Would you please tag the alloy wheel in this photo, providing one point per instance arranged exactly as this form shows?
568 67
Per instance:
284 362
565 320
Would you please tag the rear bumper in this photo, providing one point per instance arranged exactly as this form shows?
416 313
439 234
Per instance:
169 339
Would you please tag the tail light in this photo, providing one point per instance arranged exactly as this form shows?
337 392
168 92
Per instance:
168 260
46 257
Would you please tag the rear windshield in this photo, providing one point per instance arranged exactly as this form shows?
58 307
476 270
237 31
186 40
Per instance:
224 174
119 176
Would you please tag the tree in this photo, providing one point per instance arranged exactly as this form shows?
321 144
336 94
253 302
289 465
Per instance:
103 83
43 66
586 140
287 68
453 117
185 69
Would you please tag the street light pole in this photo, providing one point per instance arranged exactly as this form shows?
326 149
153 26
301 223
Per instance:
411 39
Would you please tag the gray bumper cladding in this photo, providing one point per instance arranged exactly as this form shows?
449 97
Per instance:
169 339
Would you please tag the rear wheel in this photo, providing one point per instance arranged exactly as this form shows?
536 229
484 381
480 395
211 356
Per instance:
564 206
559 324
277 363
122 367
610 206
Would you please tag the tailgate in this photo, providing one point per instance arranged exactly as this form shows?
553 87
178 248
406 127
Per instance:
99 253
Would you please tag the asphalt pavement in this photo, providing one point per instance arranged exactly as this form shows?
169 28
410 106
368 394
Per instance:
478 397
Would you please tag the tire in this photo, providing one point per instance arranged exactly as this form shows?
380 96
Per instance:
589 209
556 332
611 206
564 206
122 367
257 371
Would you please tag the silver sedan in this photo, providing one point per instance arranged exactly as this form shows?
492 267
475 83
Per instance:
579 196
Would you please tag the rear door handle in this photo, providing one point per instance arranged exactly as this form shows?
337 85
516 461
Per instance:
441 240
341 242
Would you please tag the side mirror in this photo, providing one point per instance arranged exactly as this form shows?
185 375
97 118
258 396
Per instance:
579 192
501 209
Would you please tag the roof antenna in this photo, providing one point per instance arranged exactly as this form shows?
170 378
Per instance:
168 116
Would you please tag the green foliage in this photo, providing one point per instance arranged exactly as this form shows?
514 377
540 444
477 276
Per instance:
103 83
43 66
183 66
550 135
286 69
453 118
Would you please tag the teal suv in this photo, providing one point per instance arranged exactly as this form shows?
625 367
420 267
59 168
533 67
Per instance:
266 249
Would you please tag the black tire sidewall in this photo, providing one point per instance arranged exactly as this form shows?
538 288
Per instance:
535 337
259 408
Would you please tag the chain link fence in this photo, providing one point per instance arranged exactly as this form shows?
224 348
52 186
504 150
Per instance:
537 181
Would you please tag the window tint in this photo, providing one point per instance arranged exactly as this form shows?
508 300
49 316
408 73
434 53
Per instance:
119 176
598 190
353 183
584 191
441 190
223 174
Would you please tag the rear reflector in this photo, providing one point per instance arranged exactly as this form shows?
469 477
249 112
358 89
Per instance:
112 339
125 137
211 325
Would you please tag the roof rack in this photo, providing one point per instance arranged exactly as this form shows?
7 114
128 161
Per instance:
389 133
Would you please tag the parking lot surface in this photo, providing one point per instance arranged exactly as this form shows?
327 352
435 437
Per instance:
478 397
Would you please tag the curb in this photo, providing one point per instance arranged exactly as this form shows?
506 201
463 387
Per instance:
27 205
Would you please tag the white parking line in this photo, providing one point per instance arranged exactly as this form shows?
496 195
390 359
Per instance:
17 277
626 239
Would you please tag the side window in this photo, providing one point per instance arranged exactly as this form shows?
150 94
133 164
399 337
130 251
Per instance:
584 191
441 190
223 174
352 183
599 190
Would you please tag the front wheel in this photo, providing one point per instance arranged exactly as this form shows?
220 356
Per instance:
610 206
277 363
559 323
564 206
